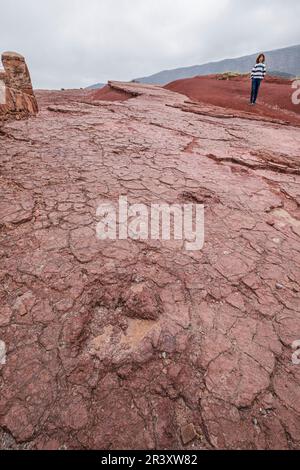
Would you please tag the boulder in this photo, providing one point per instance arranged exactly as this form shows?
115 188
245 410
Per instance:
17 98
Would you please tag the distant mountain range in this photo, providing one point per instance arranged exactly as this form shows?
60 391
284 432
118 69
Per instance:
96 86
281 62
275 73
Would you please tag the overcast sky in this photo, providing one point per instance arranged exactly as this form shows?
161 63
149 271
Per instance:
75 43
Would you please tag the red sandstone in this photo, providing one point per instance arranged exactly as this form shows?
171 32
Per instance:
19 100
108 94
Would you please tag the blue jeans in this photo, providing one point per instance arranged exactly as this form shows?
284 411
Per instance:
255 89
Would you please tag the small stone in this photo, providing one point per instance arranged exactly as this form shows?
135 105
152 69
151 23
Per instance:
263 412
188 433
24 304
268 402
279 286
5 316
142 301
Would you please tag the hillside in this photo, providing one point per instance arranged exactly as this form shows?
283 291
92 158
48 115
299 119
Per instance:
134 343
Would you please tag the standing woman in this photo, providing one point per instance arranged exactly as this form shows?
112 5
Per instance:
257 75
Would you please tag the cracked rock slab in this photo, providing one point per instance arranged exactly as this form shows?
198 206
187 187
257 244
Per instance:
139 344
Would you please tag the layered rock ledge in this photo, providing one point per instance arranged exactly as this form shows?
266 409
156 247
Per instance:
17 99
141 344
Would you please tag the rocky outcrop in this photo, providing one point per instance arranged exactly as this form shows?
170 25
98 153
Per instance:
17 99
275 100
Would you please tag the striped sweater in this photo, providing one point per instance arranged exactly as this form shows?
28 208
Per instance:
259 71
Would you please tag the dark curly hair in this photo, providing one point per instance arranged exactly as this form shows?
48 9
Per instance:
259 57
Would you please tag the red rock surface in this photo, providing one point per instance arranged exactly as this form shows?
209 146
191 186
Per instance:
19 100
206 362
109 94
275 98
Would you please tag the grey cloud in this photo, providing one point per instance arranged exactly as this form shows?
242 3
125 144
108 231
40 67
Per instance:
73 43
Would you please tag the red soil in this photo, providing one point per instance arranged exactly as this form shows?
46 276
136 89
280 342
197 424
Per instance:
108 94
275 99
